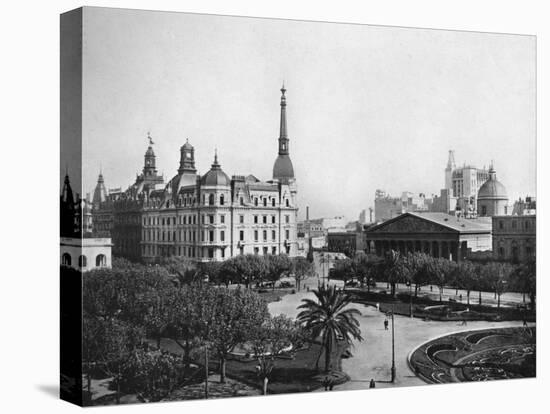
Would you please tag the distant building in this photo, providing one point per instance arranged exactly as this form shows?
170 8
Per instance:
437 234
342 242
492 199
387 207
514 237
464 182
527 207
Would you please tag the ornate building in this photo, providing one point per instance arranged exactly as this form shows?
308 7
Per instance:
209 217
492 199
436 234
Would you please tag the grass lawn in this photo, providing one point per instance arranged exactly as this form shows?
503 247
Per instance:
272 295
288 375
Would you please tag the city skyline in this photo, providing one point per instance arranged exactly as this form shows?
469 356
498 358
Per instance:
376 107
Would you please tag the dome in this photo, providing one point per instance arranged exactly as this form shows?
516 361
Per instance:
492 188
283 169
187 145
215 176
150 152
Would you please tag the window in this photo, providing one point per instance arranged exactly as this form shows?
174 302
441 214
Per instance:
287 219
255 219
265 235
273 202
265 202
210 252
66 259
202 218
287 234
500 224
501 252
222 219
526 224
273 235
273 219
505 209
287 202
241 250
528 251
265 251
211 199
514 224
241 219
241 235
255 235
265 219
256 250
221 200
223 253
274 250
483 210
211 218
241 201
256 202
211 235
101 260
222 236
82 262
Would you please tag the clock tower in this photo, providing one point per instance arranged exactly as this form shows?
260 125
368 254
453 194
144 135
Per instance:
187 159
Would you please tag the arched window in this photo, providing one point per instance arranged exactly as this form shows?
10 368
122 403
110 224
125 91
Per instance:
287 202
211 200
66 259
241 201
273 202
256 202
221 200
265 202
101 260
82 262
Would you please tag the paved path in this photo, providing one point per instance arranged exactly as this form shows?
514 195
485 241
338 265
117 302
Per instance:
372 357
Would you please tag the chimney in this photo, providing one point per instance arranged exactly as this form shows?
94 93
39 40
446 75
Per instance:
307 213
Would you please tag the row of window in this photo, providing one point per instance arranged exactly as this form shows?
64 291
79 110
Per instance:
514 225
190 251
192 219
190 200
191 235
100 260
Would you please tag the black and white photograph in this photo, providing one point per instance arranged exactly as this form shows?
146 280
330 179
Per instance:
255 206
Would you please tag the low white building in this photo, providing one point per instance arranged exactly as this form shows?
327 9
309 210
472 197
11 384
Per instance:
85 253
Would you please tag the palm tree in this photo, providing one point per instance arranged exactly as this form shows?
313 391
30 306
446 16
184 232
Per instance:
327 319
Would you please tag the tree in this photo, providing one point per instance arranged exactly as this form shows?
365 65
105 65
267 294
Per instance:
498 275
270 339
394 270
526 280
416 269
247 269
343 270
465 277
328 319
276 267
439 271
235 315
115 342
301 270
183 270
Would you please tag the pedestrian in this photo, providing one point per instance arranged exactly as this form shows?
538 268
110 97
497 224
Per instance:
372 384
378 306
386 323
431 288
525 322
460 297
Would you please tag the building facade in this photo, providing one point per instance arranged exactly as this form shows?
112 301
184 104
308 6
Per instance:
492 199
205 218
514 237
387 207
436 234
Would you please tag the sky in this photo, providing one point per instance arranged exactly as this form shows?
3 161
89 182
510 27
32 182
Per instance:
368 107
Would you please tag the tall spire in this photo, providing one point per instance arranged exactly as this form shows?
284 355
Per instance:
451 161
283 135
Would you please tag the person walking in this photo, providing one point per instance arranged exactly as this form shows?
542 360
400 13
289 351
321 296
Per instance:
372 384
386 323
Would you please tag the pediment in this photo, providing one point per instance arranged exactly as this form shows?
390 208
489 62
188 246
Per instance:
411 224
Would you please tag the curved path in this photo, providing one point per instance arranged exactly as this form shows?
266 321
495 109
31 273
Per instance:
372 357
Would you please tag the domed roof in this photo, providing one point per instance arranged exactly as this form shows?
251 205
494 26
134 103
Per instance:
187 145
492 188
150 152
215 176
283 169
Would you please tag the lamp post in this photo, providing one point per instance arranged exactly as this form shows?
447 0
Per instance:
392 345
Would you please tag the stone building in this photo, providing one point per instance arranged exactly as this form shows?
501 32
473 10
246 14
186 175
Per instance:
492 199
205 218
514 237
387 207
343 242
437 234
